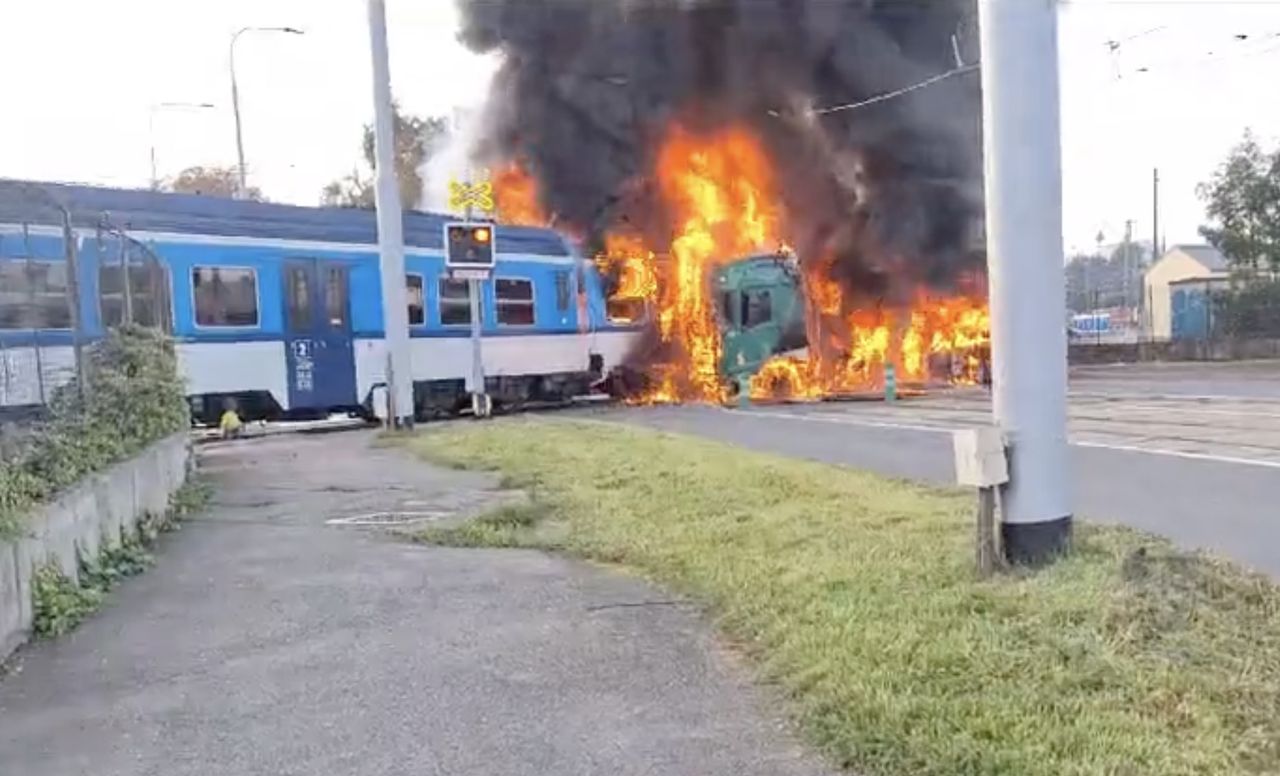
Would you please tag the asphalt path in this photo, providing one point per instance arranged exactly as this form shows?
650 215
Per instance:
269 641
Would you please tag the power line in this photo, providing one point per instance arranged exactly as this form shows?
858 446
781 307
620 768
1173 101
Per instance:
896 92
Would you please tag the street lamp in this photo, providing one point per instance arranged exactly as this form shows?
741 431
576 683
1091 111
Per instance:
235 96
151 128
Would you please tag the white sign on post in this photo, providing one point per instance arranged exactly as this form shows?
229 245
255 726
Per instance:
980 457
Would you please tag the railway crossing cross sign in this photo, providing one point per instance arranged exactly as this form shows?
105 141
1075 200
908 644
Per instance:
465 195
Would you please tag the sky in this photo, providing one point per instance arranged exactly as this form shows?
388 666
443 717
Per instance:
1145 84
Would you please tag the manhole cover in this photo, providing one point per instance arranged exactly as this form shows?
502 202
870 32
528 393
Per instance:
387 518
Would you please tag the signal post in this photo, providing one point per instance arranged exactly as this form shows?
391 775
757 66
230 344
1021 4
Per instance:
470 253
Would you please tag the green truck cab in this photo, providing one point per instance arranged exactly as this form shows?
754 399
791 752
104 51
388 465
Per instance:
760 311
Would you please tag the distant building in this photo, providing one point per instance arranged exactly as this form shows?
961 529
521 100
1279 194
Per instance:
1191 306
1182 265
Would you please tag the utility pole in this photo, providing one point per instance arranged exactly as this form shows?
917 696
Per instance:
1023 182
395 315
1126 259
242 188
125 286
1089 298
1155 215
73 304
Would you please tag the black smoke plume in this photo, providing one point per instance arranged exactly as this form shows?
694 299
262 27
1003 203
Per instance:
888 194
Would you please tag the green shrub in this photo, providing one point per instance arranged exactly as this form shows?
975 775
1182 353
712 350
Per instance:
133 395
60 604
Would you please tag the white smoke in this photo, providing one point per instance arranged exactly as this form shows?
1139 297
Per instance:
452 162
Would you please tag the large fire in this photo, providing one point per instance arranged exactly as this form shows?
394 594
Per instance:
516 196
635 267
720 189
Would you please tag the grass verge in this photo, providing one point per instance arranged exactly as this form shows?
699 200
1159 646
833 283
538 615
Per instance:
855 594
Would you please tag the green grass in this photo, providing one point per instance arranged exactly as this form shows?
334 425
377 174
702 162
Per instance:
856 595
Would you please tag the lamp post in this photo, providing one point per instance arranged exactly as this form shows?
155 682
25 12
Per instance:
235 97
151 128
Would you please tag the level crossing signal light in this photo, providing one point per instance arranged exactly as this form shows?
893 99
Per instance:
469 245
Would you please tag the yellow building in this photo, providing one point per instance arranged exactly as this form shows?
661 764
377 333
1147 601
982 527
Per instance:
1179 263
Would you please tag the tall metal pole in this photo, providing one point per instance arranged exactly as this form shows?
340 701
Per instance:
1126 259
151 137
235 110
1155 215
242 186
480 405
479 398
73 302
395 315
125 285
1023 181
1144 302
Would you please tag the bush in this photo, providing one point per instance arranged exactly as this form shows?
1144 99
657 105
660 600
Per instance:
1252 310
133 396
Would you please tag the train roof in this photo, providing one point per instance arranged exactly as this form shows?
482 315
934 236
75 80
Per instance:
37 202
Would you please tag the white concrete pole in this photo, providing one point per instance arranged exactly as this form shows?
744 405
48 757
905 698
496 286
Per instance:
395 315
1023 179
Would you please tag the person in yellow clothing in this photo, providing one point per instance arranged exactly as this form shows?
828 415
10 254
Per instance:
230 422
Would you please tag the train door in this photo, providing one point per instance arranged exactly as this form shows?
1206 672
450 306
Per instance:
318 346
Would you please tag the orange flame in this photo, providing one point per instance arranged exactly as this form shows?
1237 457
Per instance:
720 187
634 265
516 196
935 338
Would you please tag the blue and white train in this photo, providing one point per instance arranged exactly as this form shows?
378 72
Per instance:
279 307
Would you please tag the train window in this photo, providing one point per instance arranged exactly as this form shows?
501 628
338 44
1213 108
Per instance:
335 296
625 310
455 302
33 295
726 307
562 290
225 296
416 299
298 287
515 301
757 308
148 294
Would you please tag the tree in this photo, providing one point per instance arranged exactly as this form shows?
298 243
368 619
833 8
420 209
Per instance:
210 181
417 140
1243 202
1095 282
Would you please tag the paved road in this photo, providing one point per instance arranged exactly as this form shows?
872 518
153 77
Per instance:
1237 379
1151 449
267 642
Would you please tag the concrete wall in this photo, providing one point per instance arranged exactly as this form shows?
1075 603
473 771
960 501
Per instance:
101 505
1176 350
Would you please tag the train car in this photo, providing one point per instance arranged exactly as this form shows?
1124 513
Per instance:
279 307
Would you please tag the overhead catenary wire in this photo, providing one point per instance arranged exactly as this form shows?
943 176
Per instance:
930 81
898 92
